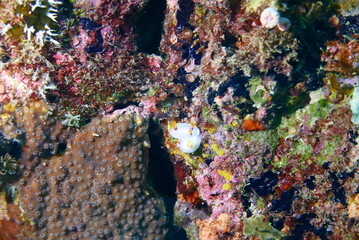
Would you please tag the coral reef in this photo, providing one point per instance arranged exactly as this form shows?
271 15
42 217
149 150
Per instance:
273 143
257 101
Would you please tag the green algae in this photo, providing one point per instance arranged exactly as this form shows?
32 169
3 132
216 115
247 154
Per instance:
269 137
329 150
257 226
301 150
257 91
318 108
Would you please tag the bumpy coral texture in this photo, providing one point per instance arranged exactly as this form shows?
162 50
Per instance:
94 189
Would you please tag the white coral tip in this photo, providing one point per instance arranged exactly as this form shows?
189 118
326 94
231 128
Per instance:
52 16
54 2
5 28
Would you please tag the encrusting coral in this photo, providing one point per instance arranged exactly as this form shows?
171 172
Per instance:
89 185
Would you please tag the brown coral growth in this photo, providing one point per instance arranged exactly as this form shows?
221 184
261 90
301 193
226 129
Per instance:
95 189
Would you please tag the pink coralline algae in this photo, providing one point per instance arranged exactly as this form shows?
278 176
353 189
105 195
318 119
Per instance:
223 199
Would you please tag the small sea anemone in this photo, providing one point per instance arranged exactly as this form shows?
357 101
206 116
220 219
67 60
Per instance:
189 137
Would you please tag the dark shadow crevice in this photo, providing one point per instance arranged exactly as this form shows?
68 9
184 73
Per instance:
161 178
149 26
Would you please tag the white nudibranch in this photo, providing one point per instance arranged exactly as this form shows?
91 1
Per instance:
189 137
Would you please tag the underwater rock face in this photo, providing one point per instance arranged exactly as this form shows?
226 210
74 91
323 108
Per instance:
274 152
95 187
